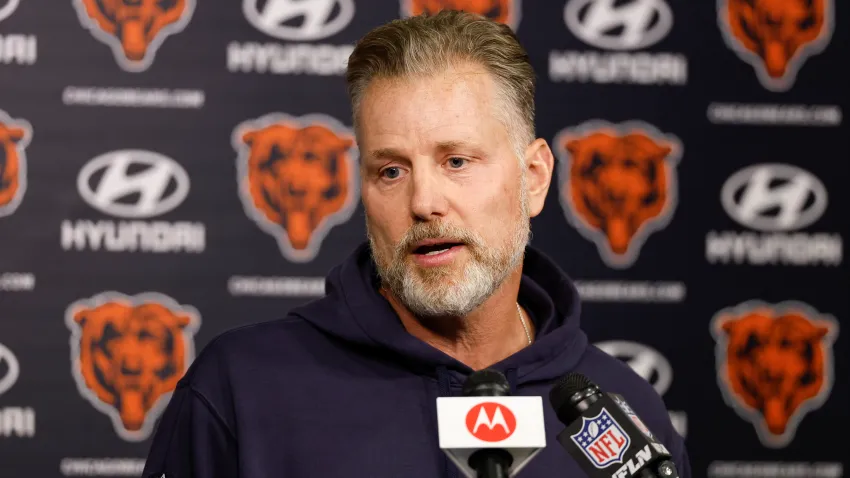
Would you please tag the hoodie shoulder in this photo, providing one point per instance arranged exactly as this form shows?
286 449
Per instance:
226 352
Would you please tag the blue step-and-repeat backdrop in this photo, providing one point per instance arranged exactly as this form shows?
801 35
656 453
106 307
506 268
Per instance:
132 209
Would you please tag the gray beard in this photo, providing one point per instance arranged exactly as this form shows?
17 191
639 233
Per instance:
450 291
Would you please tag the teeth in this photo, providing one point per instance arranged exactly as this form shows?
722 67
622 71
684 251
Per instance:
436 252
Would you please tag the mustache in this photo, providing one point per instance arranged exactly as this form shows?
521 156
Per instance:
436 230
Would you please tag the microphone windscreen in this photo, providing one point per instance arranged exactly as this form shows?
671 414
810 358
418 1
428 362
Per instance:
561 394
486 383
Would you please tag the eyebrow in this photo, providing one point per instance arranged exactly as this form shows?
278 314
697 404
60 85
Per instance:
455 145
385 153
443 146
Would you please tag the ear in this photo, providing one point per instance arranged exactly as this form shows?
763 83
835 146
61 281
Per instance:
80 317
572 145
662 150
539 163
248 137
821 332
181 320
16 134
345 143
728 325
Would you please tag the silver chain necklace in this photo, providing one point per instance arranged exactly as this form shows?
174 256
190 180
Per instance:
524 326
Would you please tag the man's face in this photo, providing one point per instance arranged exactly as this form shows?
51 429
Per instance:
444 193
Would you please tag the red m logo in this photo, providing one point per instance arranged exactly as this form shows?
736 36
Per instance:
490 422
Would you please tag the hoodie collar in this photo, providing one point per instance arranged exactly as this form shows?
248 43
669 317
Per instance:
545 291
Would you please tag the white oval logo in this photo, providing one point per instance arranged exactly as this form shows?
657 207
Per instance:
774 197
644 360
636 25
13 369
133 183
299 20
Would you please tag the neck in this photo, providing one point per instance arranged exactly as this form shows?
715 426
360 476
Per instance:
489 334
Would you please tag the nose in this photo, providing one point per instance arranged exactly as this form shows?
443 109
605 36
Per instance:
427 201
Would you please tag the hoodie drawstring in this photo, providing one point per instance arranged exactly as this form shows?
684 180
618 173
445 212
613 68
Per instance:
449 468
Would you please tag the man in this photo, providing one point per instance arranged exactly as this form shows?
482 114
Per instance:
347 385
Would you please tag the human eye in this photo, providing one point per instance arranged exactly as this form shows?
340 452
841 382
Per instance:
456 162
392 172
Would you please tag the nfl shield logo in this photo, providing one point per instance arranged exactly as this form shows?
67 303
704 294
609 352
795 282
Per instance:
602 440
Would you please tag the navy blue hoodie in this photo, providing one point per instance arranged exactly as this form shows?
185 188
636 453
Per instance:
339 388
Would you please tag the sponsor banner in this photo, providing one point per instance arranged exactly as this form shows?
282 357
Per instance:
15 136
295 38
133 97
16 48
653 367
297 287
17 281
206 151
774 364
16 422
508 12
134 37
102 467
128 353
156 185
618 184
297 178
773 469
777 40
777 203
618 187
631 291
621 44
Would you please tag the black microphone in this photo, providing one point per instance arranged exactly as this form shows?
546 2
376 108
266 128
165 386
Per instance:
604 434
488 462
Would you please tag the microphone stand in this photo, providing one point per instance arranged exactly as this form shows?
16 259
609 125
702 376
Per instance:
491 463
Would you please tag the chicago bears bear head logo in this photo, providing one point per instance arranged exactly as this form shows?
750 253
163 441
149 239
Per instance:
774 364
128 353
297 178
15 135
502 11
134 29
618 184
776 36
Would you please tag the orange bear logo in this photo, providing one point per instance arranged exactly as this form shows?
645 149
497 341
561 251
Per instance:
134 29
776 36
15 135
618 185
774 365
502 11
297 178
128 353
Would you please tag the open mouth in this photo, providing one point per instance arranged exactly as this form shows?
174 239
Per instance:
435 248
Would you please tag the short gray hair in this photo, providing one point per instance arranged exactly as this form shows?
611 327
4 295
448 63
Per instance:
427 44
